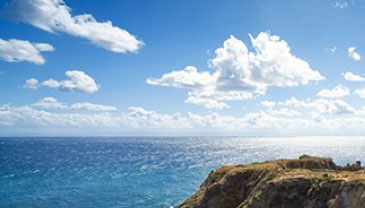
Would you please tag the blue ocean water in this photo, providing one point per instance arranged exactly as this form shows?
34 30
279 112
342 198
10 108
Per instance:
138 172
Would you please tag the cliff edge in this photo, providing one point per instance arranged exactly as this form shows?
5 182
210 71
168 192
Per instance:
307 182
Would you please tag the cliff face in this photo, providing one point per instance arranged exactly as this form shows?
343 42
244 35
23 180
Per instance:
308 182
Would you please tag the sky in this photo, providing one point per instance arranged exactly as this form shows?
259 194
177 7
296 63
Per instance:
162 67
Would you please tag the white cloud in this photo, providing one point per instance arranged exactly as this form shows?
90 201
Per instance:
360 92
14 50
78 81
53 103
321 106
349 76
340 4
239 74
55 16
206 102
331 50
49 103
31 84
353 54
337 92
43 47
51 83
93 107
294 102
268 104
141 118
272 64
187 78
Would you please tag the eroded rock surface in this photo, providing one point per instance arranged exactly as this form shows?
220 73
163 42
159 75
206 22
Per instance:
308 182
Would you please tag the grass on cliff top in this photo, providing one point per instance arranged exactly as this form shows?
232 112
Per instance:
288 169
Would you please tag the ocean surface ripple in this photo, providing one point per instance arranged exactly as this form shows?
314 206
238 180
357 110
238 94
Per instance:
134 172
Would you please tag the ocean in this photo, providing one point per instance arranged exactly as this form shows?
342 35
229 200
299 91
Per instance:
135 172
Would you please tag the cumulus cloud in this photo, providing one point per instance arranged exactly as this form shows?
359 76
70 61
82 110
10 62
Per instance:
187 78
349 76
31 84
78 81
14 50
337 92
55 16
239 74
353 54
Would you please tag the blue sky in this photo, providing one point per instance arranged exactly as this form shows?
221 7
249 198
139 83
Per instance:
111 67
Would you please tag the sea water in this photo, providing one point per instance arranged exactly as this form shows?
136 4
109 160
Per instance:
137 172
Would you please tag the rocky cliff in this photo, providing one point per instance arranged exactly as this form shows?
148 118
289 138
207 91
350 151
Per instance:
308 182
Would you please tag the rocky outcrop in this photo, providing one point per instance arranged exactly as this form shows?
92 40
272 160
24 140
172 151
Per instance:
308 182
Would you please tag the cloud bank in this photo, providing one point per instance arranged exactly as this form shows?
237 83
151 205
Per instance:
288 116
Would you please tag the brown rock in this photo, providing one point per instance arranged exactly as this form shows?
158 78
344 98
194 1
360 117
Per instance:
308 182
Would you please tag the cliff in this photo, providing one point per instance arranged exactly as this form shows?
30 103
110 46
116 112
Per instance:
308 182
